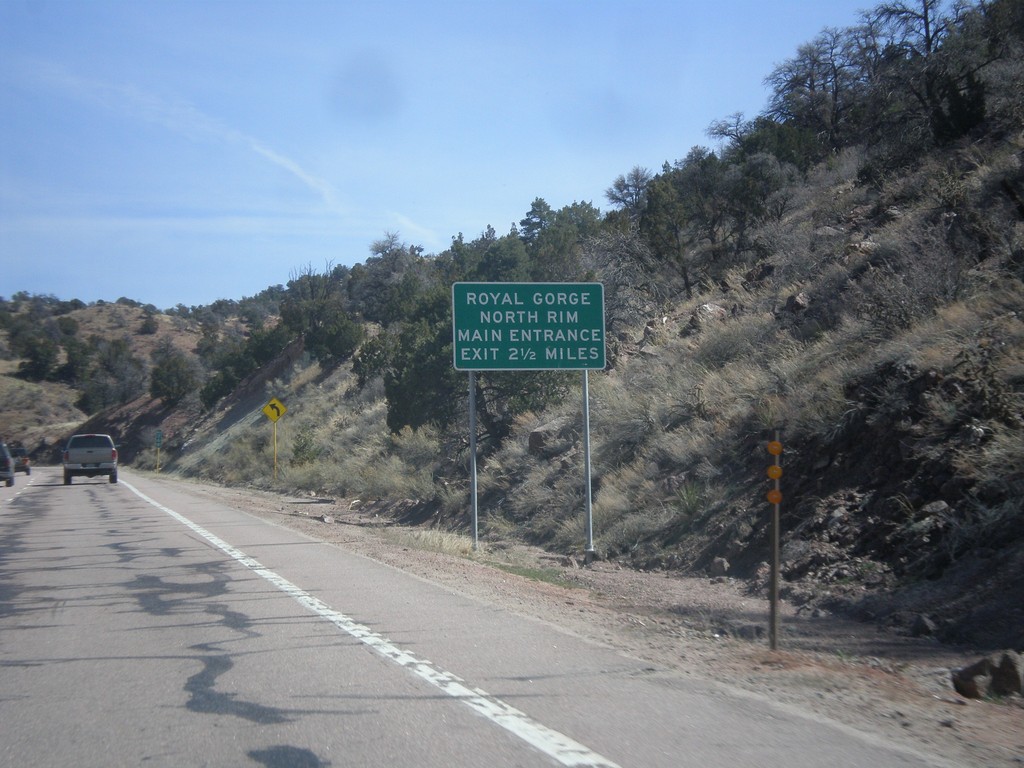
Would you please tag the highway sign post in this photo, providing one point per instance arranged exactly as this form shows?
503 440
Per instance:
774 498
529 327
274 410
159 440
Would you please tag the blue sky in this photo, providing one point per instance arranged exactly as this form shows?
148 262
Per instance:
184 152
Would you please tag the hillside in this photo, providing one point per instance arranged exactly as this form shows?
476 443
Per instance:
40 414
857 291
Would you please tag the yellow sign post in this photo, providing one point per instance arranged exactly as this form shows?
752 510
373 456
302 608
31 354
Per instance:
274 410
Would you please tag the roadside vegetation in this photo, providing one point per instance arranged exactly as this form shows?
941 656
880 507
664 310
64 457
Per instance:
845 269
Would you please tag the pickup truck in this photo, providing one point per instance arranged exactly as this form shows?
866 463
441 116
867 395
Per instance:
89 456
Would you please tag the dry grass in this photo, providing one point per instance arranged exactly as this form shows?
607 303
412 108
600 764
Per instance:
33 413
332 441
431 540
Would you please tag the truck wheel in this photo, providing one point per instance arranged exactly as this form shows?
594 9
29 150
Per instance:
67 479
113 477
10 481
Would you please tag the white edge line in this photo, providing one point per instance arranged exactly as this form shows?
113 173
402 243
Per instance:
557 745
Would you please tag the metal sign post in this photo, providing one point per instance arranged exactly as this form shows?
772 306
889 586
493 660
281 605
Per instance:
472 457
774 498
529 327
589 509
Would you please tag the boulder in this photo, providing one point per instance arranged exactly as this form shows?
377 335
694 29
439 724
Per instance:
923 626
798 302
758 275
719 567
705 314
865 247
548 440
1000 674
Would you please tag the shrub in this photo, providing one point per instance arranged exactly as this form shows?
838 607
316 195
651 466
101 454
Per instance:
173 377
304 447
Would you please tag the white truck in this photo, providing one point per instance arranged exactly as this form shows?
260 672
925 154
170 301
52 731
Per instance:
89 456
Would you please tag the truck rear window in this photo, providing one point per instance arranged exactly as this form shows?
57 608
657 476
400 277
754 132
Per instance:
90 441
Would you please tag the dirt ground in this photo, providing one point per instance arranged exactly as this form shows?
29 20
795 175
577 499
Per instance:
865 677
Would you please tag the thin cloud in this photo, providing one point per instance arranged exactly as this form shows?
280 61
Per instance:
161 225
177 116
423 235
318 185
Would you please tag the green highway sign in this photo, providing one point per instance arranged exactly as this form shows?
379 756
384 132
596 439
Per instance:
528 326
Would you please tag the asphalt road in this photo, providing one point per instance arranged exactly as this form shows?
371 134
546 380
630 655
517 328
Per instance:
141 625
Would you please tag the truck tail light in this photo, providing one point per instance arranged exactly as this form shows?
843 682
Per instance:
113 454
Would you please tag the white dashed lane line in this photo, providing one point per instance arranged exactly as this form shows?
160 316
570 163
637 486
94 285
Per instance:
19 488
552 743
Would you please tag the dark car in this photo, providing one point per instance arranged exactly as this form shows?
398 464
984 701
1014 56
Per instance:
6 465
22 463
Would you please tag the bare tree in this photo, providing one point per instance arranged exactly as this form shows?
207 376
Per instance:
817 88
629 192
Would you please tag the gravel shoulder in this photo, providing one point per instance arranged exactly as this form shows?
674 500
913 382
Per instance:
863 676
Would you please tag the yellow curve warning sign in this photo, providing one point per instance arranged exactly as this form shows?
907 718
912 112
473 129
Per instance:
274 410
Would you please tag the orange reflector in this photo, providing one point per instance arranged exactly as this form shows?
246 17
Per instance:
775 448
774 472
775 497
